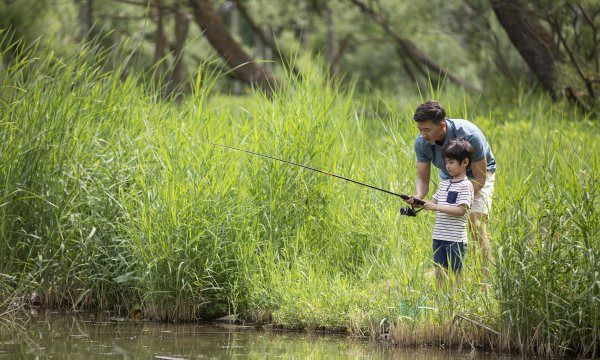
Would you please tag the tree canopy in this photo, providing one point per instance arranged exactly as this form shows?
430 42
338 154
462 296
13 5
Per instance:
482 45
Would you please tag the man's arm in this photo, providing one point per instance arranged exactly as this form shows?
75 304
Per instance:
479 169
423 177
422 186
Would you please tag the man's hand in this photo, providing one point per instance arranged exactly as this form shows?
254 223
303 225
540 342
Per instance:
409 200
415 201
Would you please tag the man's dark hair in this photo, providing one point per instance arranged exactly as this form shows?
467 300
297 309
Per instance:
430 110
458 149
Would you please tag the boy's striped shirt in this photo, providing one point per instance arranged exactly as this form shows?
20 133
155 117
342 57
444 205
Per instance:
448 227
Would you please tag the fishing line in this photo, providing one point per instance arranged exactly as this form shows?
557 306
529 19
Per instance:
403 196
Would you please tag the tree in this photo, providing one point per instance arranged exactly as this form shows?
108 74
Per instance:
179 74
266 39
409 49
215 30
330 48
85 17
160 38
531 39
564 58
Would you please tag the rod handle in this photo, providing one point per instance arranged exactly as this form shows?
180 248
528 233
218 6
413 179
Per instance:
417 201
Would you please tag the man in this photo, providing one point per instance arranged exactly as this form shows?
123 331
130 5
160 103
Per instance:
435 131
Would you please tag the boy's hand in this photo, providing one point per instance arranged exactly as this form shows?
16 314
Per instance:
430 205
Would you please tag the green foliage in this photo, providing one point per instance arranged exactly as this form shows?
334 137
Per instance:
459 40
549 253
111 200
27 21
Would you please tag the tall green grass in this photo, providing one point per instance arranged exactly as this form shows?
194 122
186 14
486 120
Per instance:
110 199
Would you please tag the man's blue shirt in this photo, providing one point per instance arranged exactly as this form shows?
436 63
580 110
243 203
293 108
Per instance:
456 129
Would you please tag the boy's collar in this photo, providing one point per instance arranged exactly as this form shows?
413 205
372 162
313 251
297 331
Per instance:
453 181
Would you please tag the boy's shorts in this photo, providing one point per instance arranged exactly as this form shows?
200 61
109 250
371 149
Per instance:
482 202
449 254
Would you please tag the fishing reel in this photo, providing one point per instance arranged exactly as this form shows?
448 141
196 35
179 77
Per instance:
409 211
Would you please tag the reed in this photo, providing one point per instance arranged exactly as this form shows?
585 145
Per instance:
110 200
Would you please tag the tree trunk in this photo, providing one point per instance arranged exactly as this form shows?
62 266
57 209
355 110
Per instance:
179 74
160 39
330 39
266 39
85 17
341 48
235 31
531 39
243 66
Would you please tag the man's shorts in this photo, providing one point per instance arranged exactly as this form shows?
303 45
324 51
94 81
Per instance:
449 254
482 202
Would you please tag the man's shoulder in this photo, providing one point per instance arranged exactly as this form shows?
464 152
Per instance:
462 122
465 127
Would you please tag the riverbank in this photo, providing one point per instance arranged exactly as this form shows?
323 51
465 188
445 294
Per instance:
99 335
111 201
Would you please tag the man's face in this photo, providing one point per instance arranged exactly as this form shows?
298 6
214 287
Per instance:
432 132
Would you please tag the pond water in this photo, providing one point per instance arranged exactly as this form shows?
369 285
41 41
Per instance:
87 336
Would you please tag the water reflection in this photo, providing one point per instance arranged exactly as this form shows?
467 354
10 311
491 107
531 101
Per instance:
84 336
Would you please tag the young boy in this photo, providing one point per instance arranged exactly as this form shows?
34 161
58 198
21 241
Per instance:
451 203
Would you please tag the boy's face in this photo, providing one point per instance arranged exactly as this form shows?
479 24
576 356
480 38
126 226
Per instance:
455 167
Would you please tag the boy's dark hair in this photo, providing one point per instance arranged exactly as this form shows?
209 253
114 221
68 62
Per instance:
430 110
458 149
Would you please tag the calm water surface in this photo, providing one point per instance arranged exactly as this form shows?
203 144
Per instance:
85 336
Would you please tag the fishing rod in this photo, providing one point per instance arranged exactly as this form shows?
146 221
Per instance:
408 211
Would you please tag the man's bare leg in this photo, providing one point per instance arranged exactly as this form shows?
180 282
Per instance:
478 230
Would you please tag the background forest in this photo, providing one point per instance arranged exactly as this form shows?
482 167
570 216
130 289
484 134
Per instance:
490 47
